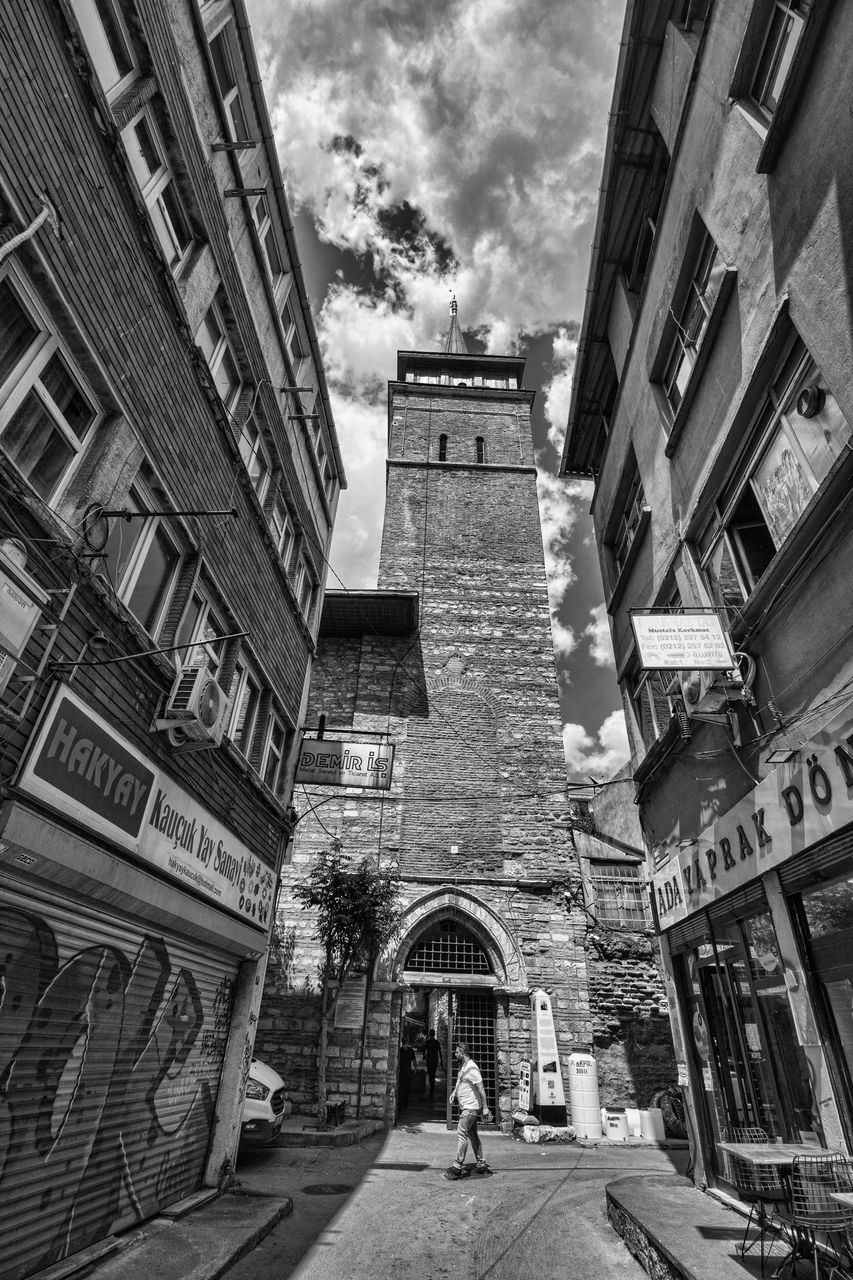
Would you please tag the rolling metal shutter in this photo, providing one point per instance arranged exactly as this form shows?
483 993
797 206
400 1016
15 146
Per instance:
112 1038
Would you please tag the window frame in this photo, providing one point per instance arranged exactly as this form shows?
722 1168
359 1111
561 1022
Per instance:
154 187
280 769
25 378
255 450
304 585
615 874
238 90
283 531
221 349
243 737
265 228
770 422
85 13
208 610
149 529
290 330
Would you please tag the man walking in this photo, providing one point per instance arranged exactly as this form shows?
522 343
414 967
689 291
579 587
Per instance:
471 1096
432 1057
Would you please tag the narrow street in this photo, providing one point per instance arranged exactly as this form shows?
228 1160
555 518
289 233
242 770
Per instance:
541 1215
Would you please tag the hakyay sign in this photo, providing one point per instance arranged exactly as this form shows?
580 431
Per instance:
798 804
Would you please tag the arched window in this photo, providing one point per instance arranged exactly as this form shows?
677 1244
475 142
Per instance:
442 448
481 449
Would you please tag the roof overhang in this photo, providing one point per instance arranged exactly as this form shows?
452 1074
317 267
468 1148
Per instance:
358 613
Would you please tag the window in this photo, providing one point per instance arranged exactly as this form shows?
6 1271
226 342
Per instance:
620 898
690 314
202 625
226 59
291 333
785 20
275 755
212 340
255 458
266 234
797 438
107 42
637 263
147 156
141 560
304 587
633 508
442 448
650 703
481 449
246 695
282 530
46 411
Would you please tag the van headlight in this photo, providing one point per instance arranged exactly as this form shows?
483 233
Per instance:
257 1091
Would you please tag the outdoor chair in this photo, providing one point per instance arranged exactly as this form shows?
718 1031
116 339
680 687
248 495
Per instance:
762 1189
822 1225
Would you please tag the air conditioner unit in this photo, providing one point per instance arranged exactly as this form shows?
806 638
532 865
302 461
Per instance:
196 708
706 692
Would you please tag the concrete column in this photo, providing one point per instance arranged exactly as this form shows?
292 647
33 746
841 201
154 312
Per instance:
802 1011
222 1155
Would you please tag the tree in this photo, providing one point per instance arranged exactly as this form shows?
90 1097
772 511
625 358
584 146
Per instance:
358 911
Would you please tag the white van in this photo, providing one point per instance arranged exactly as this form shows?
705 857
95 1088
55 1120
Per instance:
264 1107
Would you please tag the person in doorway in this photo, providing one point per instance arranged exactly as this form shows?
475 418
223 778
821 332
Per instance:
407 1062
432 1057
471 1096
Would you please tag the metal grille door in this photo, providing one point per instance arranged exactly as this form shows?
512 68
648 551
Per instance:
112 1037
474 1021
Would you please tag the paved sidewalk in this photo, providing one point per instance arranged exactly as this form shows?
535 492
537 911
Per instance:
379 1207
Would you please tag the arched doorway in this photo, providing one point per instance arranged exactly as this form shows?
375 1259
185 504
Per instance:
453 966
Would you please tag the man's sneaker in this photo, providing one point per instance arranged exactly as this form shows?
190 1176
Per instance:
453 1174
484 1171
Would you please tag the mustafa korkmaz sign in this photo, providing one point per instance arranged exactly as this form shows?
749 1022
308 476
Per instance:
329 763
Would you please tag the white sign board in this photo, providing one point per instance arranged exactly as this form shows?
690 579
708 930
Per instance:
793 808
329 763
349 1011
81 767
548 1080
524 1086
681 641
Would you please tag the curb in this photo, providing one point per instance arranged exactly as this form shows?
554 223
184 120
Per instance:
329 1137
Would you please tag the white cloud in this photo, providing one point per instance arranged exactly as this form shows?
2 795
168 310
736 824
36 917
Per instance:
598 634
601 758
487 118
358 528
560 503
558 391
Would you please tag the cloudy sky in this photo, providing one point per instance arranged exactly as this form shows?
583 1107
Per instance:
438 146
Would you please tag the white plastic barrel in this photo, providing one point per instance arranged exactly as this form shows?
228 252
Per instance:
616 1128
583 1095
651 1125
632 1115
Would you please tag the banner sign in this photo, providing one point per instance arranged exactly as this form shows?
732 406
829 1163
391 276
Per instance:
328 763
798 804
79 766
681 641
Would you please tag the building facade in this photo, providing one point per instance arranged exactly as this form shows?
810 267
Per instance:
169 474
451 662
712 403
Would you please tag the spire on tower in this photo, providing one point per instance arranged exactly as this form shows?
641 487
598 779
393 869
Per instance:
454 343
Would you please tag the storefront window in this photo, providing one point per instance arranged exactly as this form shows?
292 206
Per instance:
827 914
752 1069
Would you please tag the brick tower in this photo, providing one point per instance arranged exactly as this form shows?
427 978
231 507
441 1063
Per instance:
451 659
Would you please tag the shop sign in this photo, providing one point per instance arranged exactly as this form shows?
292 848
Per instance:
80 767
328 763
798 804
681 641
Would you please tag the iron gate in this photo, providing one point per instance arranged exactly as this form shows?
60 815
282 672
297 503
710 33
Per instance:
472 1018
